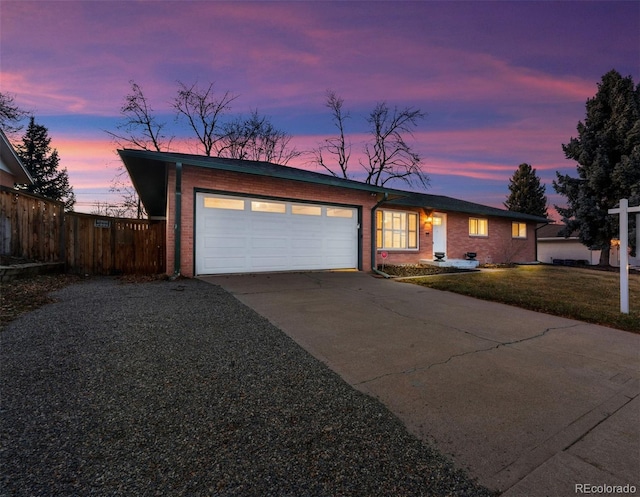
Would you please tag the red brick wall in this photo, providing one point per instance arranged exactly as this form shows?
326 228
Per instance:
207 179
497 247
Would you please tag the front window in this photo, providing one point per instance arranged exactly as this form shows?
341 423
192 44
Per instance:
478 227
396 230
518 230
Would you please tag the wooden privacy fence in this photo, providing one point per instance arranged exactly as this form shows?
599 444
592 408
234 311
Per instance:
107 245
31 227
38 229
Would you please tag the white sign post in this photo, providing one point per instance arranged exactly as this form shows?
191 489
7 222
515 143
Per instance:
624 211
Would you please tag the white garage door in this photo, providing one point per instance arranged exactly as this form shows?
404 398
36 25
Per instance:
240 235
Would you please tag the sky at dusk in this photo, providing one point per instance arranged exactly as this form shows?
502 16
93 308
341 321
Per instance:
502 83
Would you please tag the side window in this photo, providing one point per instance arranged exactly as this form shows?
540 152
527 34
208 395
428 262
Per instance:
518 230
478 227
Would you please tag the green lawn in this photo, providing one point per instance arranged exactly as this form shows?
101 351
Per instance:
583 294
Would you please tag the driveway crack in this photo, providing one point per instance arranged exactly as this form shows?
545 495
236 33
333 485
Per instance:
462 354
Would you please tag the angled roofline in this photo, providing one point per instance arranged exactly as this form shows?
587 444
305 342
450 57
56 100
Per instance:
10 157
259 168
148 172
450 204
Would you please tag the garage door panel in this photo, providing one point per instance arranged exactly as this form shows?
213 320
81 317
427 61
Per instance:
298 244
269 243
226 264
211 242
338 243
265 263
304 236
267 221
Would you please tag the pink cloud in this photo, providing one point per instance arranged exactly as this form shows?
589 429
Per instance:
90 161
42 97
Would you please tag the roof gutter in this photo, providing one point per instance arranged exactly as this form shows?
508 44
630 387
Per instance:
373 236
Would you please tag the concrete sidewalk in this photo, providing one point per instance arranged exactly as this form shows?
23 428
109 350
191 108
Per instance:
530 404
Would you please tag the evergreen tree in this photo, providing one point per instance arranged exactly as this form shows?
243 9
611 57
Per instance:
43 164
607 151
527 194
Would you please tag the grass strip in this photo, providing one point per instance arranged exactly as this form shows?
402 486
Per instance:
582 294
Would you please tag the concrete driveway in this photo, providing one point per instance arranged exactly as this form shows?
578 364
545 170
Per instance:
530 404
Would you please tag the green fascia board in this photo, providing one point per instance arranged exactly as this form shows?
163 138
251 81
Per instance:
259 168
148 171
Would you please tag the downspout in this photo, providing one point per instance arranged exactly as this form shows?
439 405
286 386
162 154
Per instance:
373 236
177 226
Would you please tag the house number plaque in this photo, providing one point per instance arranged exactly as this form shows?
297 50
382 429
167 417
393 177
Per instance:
102 223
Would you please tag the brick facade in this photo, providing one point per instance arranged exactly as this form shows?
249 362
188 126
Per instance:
498 246
197 178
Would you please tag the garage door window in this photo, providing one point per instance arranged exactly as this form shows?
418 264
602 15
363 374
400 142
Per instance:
224 203
274 207
337 212
306 210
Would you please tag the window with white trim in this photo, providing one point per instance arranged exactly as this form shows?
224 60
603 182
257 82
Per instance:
396 230
518 230
478 227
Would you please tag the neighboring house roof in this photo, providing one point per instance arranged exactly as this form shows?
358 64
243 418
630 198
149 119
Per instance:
554 231
148 171
11 163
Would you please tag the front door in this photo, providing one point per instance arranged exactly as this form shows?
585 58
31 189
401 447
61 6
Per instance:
439 233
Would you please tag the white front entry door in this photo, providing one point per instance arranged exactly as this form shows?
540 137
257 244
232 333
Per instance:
439 232
244 235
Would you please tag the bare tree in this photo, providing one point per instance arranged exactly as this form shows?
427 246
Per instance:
389 157
111 210
139 127
255 138
335 146
130 205
203 111
10 114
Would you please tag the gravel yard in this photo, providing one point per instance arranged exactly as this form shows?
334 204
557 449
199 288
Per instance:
176 388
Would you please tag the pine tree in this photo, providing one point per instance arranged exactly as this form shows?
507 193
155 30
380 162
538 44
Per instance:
607 151
43 164
527 194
